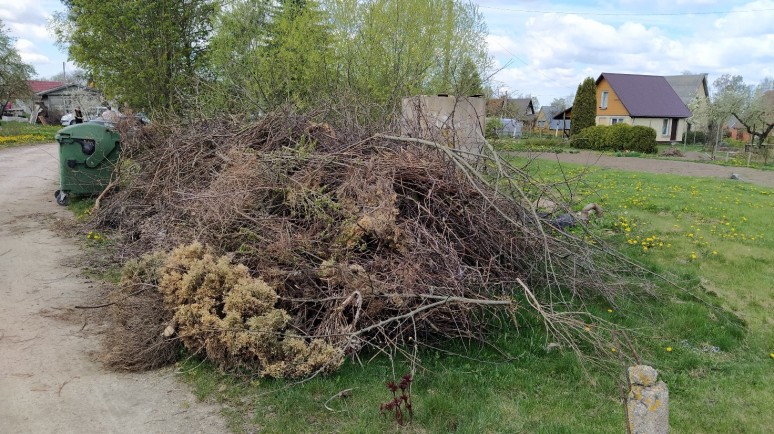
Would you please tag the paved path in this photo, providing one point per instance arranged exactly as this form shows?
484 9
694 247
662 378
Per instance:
49 382
652 165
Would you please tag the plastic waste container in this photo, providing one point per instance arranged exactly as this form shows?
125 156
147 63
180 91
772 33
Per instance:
88 153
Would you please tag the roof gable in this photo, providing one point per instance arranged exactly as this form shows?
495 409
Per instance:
44 85
648 96
689 86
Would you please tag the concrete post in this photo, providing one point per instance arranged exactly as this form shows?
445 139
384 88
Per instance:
647 403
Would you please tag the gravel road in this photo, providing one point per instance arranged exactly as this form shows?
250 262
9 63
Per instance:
49 381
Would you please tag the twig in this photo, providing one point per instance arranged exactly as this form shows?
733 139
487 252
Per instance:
59 392
343 394
98 306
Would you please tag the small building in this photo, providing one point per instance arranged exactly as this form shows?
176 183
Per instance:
457 122
518 110
647 100
561 121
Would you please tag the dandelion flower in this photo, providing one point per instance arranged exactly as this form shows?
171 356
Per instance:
613 349
669 349
610 311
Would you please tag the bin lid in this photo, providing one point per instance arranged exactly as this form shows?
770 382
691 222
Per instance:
105 137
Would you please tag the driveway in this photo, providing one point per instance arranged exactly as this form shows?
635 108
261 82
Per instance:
49 381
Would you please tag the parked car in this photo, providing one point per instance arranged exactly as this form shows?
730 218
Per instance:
69 118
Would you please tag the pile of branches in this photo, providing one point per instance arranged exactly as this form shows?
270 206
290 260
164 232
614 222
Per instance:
367 239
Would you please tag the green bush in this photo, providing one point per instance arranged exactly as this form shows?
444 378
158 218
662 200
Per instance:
642 139
493 128
617 137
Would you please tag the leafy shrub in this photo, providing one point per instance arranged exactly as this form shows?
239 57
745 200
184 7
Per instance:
642 139
494 126
617 137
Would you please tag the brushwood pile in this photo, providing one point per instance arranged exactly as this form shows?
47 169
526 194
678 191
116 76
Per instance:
285 245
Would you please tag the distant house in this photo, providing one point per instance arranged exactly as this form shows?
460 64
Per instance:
58 96
545 119
689 87
736 130
517 113
561 121
647 100
545 115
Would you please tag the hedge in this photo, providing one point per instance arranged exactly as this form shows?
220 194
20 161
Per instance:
618 137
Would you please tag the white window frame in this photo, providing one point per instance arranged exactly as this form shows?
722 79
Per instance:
603 100
614 121
665 127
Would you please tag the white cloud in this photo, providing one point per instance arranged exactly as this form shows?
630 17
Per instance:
552 53
29 53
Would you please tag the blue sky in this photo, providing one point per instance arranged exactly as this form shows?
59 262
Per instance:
545 48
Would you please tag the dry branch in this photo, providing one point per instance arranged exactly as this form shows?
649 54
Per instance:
365 238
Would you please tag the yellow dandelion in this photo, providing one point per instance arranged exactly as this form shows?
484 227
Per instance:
613 349
669 349
610 311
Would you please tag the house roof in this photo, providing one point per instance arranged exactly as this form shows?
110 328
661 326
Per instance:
686 86
564 114
523 105
646 96
43 85
550 111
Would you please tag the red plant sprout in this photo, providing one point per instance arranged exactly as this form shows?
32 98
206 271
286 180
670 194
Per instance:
398 403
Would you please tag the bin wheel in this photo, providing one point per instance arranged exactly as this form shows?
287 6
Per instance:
61 198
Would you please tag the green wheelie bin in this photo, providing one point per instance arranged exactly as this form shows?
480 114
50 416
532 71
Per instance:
88 153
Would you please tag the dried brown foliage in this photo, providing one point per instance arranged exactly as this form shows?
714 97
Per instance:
134 341
366 239
223 313
672 152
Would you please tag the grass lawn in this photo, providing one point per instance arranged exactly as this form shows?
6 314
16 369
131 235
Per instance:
712 337
22 133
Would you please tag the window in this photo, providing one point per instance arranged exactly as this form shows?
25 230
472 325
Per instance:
665 127
603 102
614 121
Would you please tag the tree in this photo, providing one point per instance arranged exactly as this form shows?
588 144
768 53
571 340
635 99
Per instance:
14 74
584 109
77 77
559 103
752 106
264 54
385 50
146 53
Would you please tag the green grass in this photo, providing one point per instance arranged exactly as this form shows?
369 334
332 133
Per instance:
22 133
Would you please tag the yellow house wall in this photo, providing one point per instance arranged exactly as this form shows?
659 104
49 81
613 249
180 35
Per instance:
614 106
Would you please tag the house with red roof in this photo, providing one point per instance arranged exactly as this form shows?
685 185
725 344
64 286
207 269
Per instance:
58 98
647 100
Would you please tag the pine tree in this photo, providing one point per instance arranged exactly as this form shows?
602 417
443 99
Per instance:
584 110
